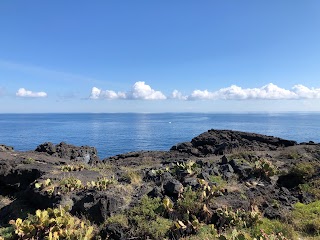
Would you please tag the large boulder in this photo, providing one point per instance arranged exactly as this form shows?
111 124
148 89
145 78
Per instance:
67 151
241 167
173 188
98 206
219 142
17 177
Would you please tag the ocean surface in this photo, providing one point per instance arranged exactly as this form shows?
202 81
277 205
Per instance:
113 134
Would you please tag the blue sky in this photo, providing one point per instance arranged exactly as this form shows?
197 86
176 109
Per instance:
159 56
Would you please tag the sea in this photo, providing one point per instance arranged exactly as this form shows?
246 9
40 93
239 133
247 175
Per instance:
116 133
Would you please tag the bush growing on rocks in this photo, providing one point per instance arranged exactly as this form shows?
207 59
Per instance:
306 218
70 184
70 168
145 219
265 168
52 224
273 228
304 170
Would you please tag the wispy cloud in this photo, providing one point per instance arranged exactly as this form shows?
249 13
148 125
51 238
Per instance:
22 92
2 91
67 96
140 90
178 95
48 73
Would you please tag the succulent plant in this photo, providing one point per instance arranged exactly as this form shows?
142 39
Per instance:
70 184
238 218
45 185
101 184
265 168
70 168
52 224
167 203
188 167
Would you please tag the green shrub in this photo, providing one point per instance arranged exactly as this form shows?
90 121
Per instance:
205 232
312 187
218 180
306 218
273 227
265 168
6 233
235 235
145 219
120 219
189 202
304 170
148 207
272 236
52 224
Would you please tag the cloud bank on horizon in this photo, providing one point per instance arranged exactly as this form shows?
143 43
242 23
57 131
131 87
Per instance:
140 90
22 92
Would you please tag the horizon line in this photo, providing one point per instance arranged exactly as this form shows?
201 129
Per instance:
210 112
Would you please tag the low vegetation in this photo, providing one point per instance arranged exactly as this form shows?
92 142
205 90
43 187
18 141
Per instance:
28 161
265 168
71 184
71 168
306 218
52 224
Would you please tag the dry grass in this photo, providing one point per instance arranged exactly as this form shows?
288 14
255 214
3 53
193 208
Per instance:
5 201
132 175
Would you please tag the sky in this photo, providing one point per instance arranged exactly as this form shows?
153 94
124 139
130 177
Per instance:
159 56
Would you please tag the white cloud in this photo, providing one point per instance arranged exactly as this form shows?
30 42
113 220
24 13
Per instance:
178 95
201 95
267 92
139 90
304 92
97 93
22 92
142 91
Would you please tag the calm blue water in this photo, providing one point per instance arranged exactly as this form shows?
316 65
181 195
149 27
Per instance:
113 134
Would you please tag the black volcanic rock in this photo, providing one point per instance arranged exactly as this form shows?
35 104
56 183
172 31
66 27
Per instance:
219 142
98 206
84 153
182 175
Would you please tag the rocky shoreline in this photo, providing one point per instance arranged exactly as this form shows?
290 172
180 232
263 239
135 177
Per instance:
219 181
